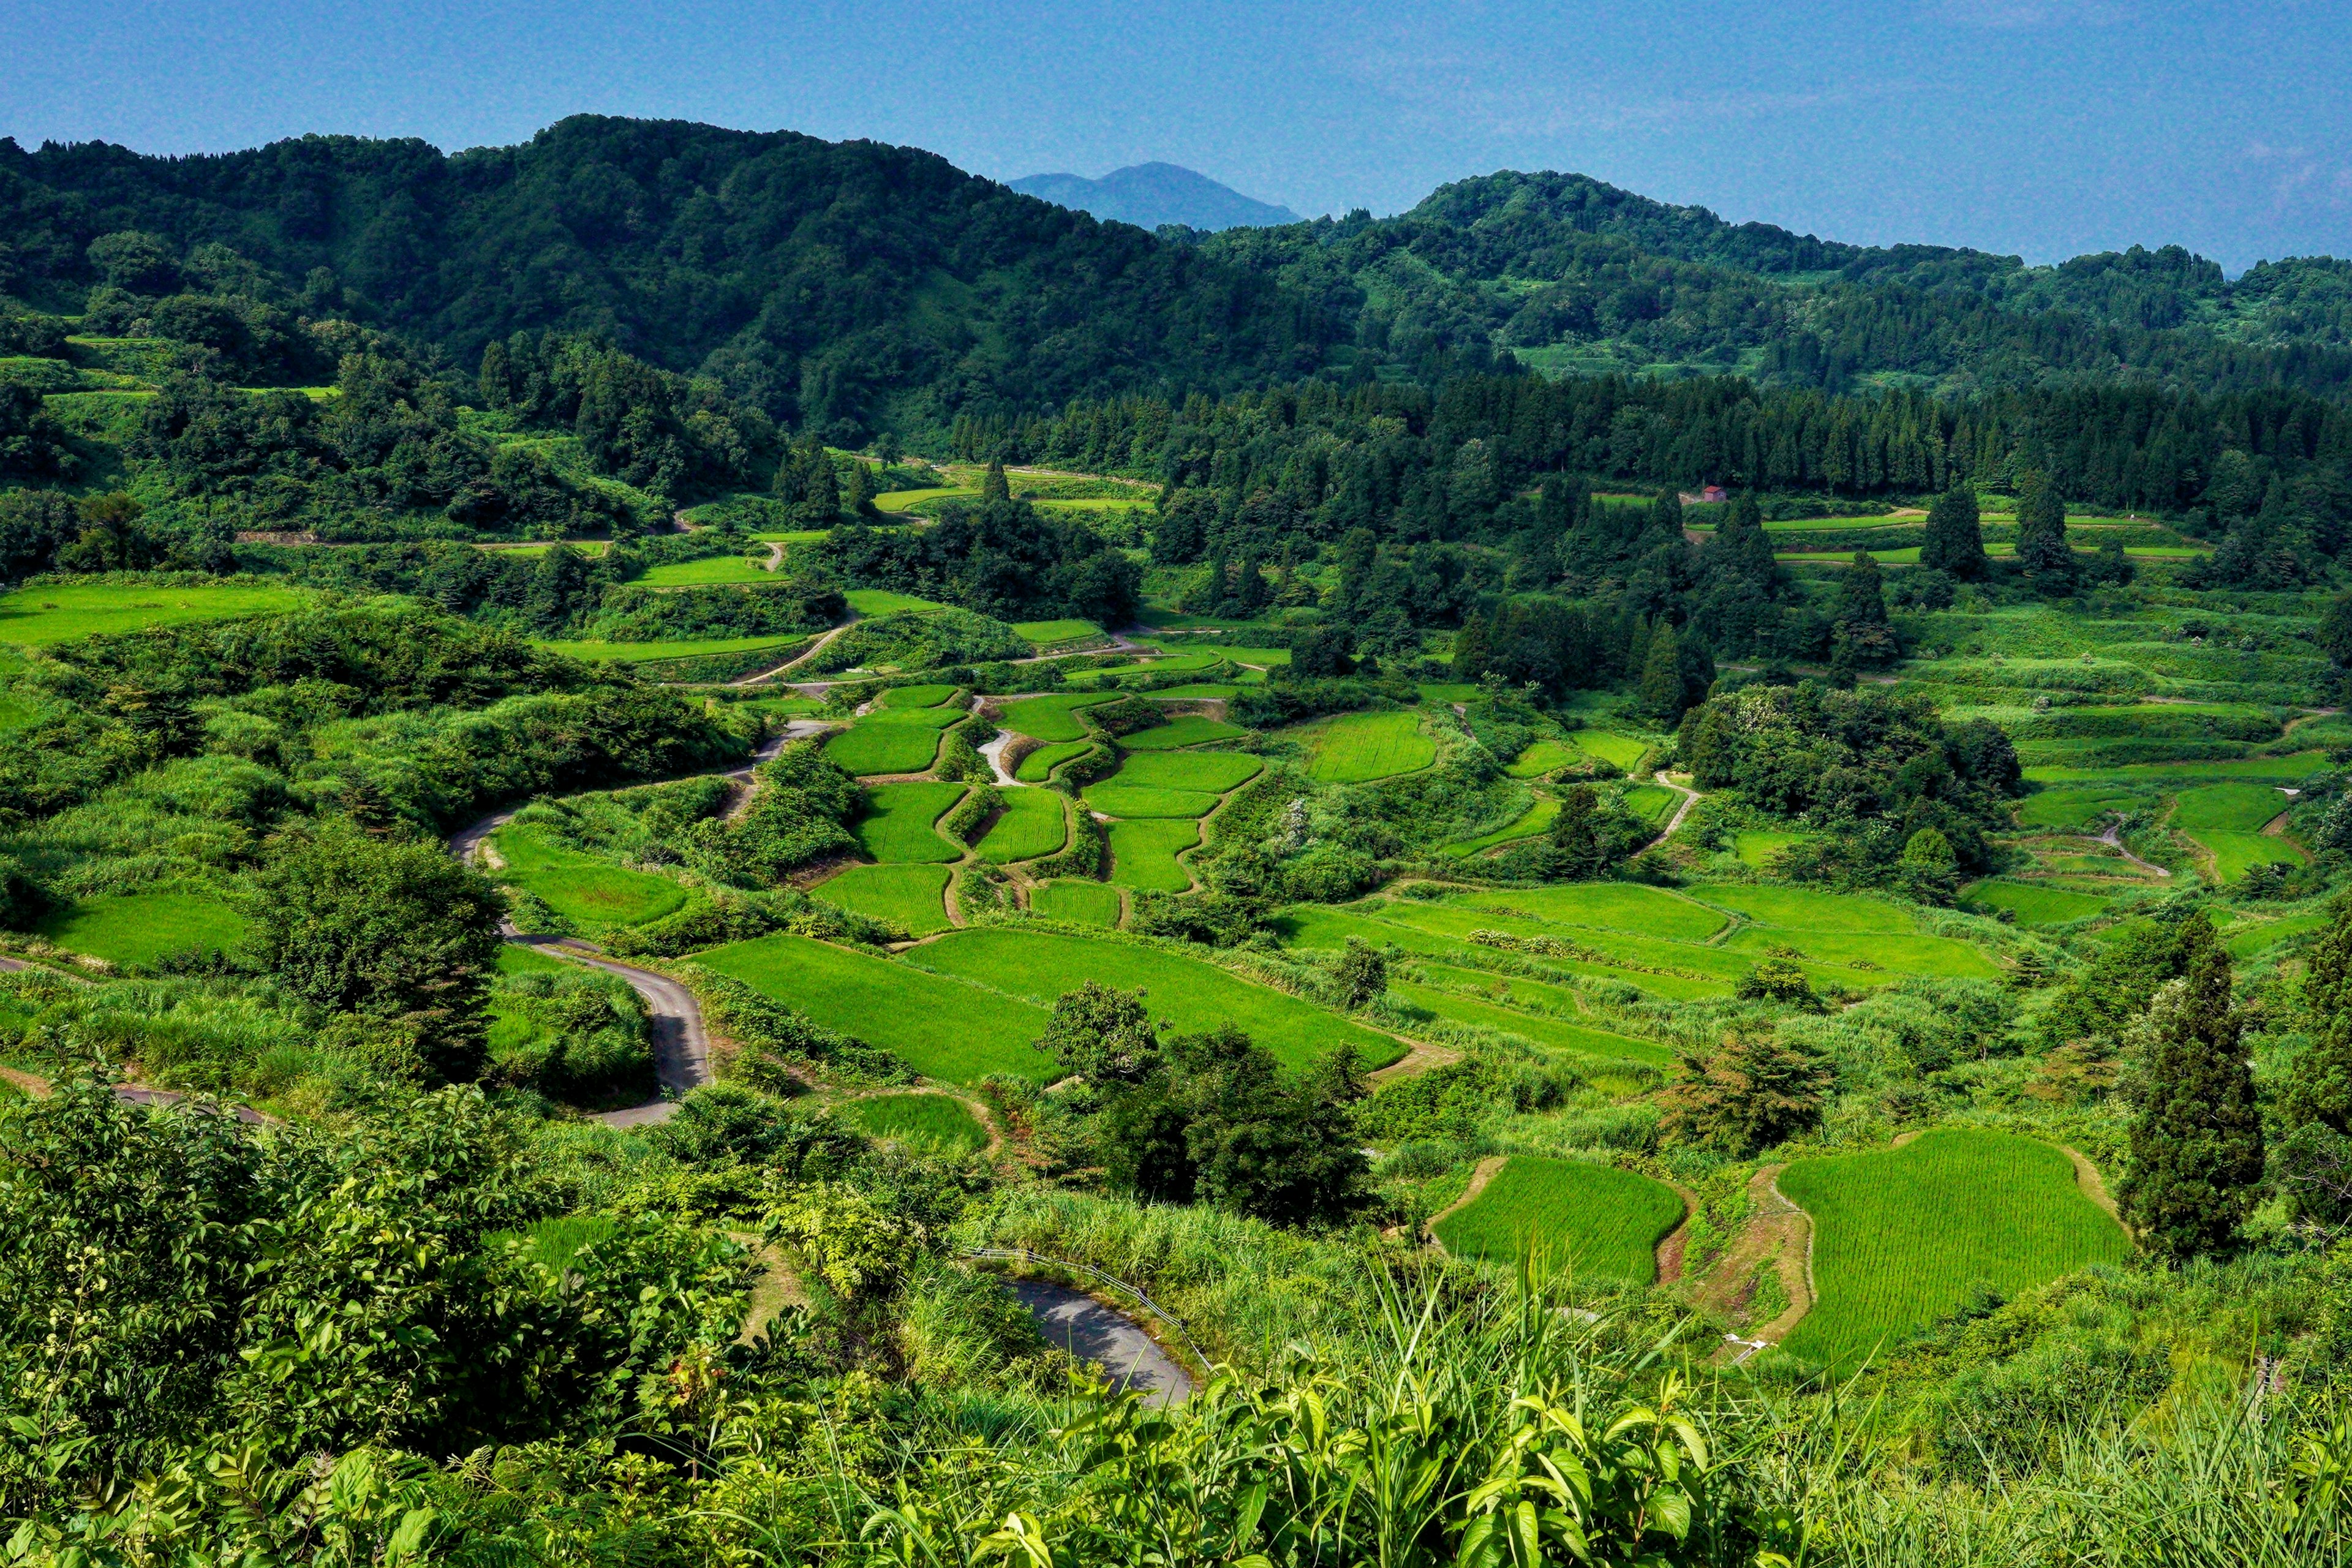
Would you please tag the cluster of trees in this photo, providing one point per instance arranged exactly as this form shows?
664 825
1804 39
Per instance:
998 557
48 531
670 435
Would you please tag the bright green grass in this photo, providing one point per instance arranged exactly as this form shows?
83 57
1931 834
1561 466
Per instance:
1039 764
139 928
1807 909
1051 718
1540 758
943 717
643 652
1048 633
717 569
789 707
900 501
912 898
866 749
1191 730
1625 750
1317 926
936 1119
1121 800
2260 937
1868 951
2232 807
1196 996
1757 848
1593 1221
1078 902
931 695
1143 854
2035 905
1357 748
2072 808
1652 802
1031 825
1556 1033
1637 950
896 828
522 958
2235 854
1175 663
1493 987
583 889
882 601
61 612
1197 690
1901 1237
1538 819
940 1027
1216 771
2283 769
1610 906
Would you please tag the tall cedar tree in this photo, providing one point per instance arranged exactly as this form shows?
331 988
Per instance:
1742 549
2319 1087
2197 1148
1954 540
2041 548
1661 675
992 484
1863 636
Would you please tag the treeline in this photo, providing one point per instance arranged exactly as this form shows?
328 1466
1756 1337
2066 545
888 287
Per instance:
1000 557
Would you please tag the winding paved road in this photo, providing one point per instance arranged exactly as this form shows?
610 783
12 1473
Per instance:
1074 1321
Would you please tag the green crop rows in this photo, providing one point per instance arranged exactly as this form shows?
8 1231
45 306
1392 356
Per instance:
1590 1220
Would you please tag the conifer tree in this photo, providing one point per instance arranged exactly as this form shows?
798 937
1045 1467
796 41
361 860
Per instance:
991 485
498 387
2041 547
2197 1146
1661 674
1955 539
861 490
2319 1086
1742 548
1863 637
822 488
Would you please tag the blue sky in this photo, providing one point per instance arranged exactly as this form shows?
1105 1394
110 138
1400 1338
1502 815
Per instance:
2041 127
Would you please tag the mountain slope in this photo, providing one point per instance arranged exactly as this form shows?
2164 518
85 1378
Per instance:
1150 194
846 287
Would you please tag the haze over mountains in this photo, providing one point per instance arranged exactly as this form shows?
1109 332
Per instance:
1151 195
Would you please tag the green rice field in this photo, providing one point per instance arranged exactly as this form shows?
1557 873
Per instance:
882 601
1320 927
2034 904
2072 809
1756 848
717 569
139 928
942 1028
1051 718
1039 765
1624 751
1558 1034
2279 769
2235 854
523 958
1076 902
586 892
898 826
1359 748
1607 906
61 612
1054 633
1537 820
1196 996
1540 758
1216 771
1593 1221
1652 802
1188 729
2232 807
920 1118
1809 909
646 652
904 696
1122 800
910 897
1143 854
1901 1238
868 748
1031 825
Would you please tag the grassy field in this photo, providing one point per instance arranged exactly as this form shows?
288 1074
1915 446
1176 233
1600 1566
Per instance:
139 928
904 696
1319 926
1756 848
1560 1033
1537 819
1078 902
1032 824
1606 906
882 601
1624 752
1039 764
1189 730
643 652
2072 809
1901 1237
1808 908
910 897
933 1119
2281 770
1216 771
2235 854
2232 807
1115 799
868 748
1591 1220
1143 854
1652 802
942 1028
896 828
1051 718
1358 747
1053 633
2254 939
717 569
2034 904
61 612
1196 996
586 892
1540 758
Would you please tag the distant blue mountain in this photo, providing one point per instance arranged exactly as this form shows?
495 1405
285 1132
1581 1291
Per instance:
1149 195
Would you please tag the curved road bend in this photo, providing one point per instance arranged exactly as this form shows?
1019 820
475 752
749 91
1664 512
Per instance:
1074 1321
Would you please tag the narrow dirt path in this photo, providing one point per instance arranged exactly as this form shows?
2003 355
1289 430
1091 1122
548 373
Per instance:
1672 1245
2094 1188
1420 1057
1690 798
814 648
1480 1174
1778 1231
2113 839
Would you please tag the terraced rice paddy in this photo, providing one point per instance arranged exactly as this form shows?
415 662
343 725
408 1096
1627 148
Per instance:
1756 848
1078 902
942 1028
1607 906
1143 854
1560 1033
931 695
1320 927
922 1120
891 741
1039 765
1904 1236
2033 903
898 824
2074 810
1593 1221
1537 820
1051 718
139 928
1540 758
1114 799
910 897
1187 730
882 602
687 647
1359 747
2270 770
1031 825
1214 771
1043 635
1196 996
586 892
2226 822
61 612
1624 752
717 569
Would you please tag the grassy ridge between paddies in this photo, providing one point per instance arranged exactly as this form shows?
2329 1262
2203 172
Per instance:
911 897
1031 824
2226 822
51 613
896 828
1322 927
942 1028
1078 902
139 928
1187 730
919 1118
1050 719
2031 904
586 892
1558 1034
1195 997
1904 1236
1143 854
1593 1221
1359 748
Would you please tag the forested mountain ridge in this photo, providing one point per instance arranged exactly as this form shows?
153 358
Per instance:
1562 268
845 287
